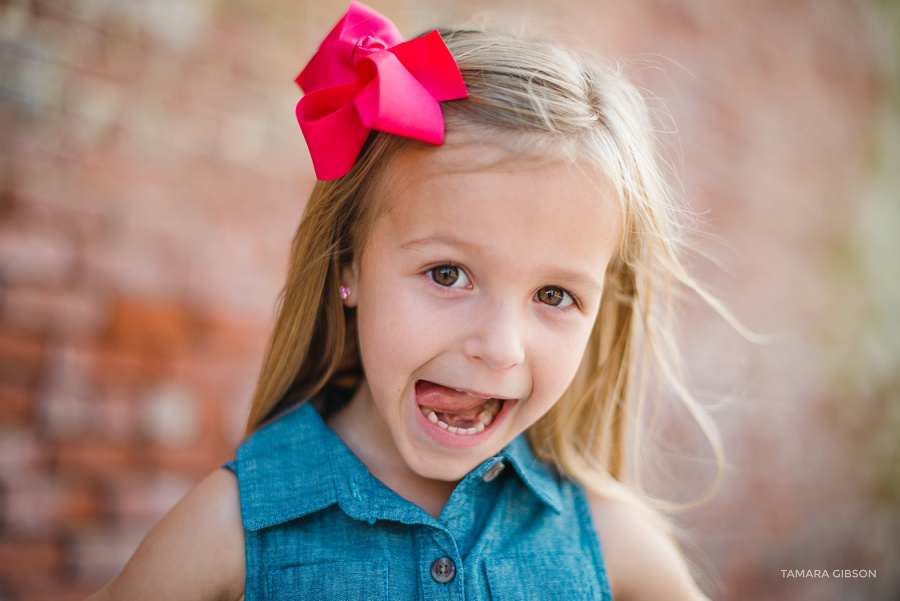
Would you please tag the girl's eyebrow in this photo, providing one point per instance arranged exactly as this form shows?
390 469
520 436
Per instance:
579 278
439 239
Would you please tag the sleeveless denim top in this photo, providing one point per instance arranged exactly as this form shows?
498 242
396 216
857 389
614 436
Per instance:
319 526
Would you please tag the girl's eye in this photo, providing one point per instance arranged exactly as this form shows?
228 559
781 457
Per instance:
554 296
449 276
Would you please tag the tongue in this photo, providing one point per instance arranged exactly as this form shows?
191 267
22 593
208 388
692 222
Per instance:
447 401
458 421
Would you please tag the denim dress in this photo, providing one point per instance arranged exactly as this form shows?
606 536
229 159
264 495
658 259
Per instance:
319 526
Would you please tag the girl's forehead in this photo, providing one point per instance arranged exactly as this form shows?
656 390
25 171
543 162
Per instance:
420 164
461 184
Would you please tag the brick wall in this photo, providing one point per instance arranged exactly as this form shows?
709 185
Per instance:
139 140
152 175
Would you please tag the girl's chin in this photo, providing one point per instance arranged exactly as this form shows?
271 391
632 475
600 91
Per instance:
449 472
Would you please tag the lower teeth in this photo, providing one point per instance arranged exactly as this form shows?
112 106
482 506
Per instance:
485 418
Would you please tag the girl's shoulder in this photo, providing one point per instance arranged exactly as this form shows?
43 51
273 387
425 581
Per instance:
195 552
642 560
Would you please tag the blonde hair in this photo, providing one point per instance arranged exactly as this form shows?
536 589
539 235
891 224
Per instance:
535 100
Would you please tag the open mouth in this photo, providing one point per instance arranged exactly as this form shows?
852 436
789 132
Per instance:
457 411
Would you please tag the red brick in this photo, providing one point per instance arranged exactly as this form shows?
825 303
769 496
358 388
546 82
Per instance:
195 460
68 415
118 371
95 457
80 502
73 311
233 335
21 452
119 415
24 557
16 404
36 252
156 329
40 504
21 355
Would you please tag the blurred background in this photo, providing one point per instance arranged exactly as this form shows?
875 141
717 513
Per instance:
152 173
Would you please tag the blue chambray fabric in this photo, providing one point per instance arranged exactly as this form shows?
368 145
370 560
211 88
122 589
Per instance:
319 526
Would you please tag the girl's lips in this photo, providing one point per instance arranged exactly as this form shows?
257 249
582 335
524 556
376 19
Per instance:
429 417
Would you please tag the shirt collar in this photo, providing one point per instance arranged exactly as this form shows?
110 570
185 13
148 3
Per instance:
298 444
539 477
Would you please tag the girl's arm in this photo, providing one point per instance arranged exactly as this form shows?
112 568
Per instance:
642 562
195 552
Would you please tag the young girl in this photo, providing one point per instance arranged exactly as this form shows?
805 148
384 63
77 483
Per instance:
467 330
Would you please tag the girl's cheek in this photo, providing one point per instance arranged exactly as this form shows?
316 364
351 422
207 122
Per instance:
559 362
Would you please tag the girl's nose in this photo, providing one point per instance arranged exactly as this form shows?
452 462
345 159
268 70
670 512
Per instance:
497 339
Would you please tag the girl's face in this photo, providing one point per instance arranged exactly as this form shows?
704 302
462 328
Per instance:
476 293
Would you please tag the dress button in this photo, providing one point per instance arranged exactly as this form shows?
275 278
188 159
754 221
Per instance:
443 570
493 471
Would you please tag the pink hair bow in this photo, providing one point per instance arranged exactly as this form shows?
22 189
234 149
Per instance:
365 77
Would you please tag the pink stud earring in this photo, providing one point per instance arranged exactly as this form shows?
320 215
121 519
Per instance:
345 292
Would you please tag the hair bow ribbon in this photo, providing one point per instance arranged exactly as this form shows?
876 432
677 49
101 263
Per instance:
364 77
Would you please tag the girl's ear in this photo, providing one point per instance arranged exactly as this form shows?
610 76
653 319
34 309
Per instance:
349 278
